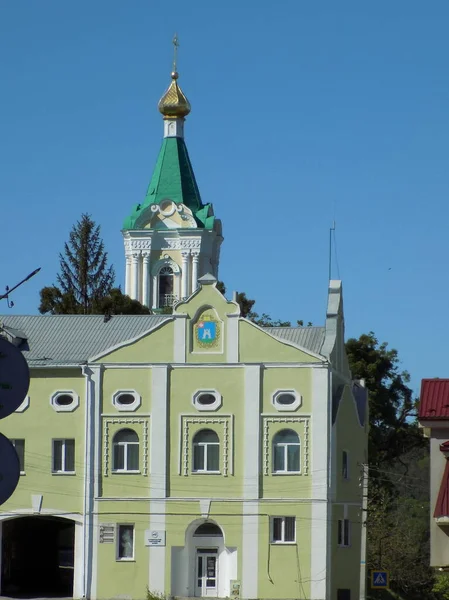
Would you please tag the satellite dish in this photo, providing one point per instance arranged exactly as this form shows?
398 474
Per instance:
14 378
9 469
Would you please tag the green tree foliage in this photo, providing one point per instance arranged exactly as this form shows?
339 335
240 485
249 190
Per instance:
85 281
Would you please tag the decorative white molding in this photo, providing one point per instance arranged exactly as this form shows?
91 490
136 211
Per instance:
304 442
164 262
205 507
286 407
126 407
181 244
25 404
207 407
61 407
226 421
140 244
107 446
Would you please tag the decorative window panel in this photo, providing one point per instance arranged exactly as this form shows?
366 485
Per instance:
106 533
268 438
226 423
107 440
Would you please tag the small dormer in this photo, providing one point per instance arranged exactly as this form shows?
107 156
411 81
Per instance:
16 337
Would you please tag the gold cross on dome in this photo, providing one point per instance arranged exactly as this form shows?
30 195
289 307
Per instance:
175 51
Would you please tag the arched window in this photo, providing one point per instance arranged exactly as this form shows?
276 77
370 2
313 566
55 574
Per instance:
206 452
286 452
208 529
126 451
166 295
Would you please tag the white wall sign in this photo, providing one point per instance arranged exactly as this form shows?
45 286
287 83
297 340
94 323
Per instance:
154 537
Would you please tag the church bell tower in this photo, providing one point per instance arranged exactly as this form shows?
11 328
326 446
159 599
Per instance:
171 238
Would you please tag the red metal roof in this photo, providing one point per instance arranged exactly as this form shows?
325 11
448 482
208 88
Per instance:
442 505
434 399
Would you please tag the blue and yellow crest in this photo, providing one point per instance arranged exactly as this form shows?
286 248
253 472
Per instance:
207 331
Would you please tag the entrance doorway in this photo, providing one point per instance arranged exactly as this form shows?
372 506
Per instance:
38 557
206 572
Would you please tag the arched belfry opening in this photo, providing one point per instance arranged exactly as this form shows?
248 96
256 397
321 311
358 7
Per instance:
38 557
205 565
166 287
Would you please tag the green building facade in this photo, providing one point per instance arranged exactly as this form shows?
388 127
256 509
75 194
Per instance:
193 453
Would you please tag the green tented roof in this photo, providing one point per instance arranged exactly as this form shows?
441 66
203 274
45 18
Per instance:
173 178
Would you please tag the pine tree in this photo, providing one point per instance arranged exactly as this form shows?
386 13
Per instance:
85 280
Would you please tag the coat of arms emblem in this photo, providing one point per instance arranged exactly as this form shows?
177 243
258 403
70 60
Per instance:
207 332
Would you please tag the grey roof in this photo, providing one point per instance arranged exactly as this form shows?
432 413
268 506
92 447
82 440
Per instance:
73 339
310 338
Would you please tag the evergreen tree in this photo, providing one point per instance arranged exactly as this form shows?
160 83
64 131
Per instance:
85 280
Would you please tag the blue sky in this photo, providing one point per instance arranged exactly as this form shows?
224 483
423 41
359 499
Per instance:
302 112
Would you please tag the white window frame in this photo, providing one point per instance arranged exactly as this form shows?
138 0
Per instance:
70 407
63 471
205 445
345 465
126 407
25 404
286 407
208 407
125 454
285 445
14 443
282 540
119 558
343 533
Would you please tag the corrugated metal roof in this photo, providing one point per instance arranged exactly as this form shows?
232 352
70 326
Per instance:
73 339
434 399
310 338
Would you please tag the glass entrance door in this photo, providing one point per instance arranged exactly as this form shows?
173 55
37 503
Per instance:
206 573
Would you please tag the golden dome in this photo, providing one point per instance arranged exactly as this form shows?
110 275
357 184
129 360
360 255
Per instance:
173 104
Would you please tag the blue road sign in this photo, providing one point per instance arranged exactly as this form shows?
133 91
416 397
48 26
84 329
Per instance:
380 580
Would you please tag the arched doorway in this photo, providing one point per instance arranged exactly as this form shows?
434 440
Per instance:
208 539
38 557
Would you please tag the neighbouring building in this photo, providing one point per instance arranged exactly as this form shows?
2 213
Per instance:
434 418
193 453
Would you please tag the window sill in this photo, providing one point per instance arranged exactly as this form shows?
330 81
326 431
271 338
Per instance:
125 560
281 543
126 473
344 545
22 473
206 472
63 473
286 473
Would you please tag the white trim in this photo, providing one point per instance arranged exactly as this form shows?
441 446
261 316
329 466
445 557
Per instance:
20 409
320 357
227 442
320 443
251 431
205 365
108 448
232 342
61 407
126 407
117 543
267 443
179 338
297 402
126 343
207 407
250 549
158 439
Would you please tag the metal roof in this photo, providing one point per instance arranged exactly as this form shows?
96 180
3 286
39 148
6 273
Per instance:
310 338
73 339
434 399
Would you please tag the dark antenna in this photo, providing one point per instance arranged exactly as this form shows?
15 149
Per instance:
5 296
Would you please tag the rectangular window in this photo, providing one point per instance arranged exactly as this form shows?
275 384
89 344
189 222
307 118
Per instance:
345 465
63 456
343 532
343 594
283 530
19 445
125 542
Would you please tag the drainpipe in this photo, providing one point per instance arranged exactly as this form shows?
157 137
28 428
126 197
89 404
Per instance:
88 483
